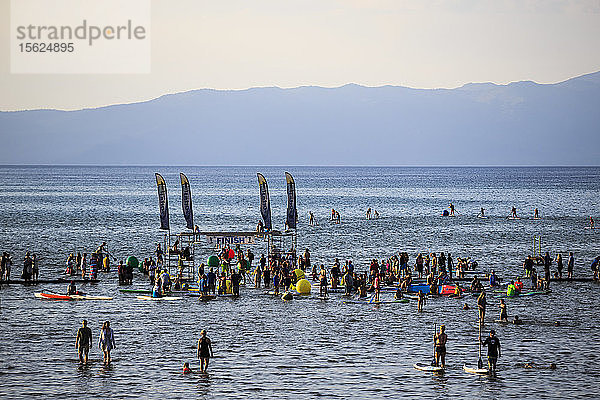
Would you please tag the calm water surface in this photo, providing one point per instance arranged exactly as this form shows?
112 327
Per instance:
266 348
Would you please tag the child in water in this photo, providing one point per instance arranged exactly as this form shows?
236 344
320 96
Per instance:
186 368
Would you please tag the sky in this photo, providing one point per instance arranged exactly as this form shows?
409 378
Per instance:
229 44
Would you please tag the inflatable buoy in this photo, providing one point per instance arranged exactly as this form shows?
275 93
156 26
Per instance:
445 213
287 296
132 262
213 261
303 286
299 274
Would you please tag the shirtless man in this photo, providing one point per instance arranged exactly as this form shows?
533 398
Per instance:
83 342
440 339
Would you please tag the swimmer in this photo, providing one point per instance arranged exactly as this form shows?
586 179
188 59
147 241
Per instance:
186 368
369 213
517 320
466 307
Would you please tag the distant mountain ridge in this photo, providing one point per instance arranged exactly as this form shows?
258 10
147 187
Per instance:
521 123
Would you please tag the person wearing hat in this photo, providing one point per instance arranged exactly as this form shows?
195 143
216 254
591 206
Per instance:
204 350
493 344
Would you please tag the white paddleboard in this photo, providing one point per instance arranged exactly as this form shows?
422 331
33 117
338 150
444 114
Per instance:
513 218
480 371
482 216
87 297
167 298
428 368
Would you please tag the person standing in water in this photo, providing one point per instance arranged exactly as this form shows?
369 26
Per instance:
204 351
439 340
369 213
83 342
420 300
311 218
503 312
493 344
592 223
482 212
481 304
106 342
570 266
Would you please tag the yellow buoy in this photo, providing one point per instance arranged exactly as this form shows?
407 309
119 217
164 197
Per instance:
303 286
299 274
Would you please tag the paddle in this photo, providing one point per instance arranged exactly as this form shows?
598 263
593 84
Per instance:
433 362
372 298
480 362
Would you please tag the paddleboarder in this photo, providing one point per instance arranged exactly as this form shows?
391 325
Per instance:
493 344
482 212
204 350
440 339
83 342
513 212
592 223
481 303
451 209
570 266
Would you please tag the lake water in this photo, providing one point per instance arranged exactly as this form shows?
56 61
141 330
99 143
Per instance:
268 348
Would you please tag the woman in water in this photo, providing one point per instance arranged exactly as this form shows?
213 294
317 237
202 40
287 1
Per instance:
106 342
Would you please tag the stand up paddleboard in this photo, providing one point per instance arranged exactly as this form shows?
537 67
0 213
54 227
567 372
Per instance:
166 298
429 368
479 371
54 296
482 216
513 218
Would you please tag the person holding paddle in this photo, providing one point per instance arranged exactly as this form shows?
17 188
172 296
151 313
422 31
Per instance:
440 339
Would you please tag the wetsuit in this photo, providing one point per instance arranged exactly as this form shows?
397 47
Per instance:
493 344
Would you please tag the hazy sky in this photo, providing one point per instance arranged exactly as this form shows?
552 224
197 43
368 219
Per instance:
227 44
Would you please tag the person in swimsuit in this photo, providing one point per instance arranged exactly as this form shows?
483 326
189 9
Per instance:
493 344
369 213
106 342
186 368
204 351
440 339
481 303
503 312
420 300
83 342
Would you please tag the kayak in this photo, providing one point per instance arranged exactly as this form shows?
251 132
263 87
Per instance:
54 296
480 371
166 298
428 368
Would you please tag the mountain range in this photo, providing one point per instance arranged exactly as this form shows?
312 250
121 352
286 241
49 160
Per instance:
521 123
